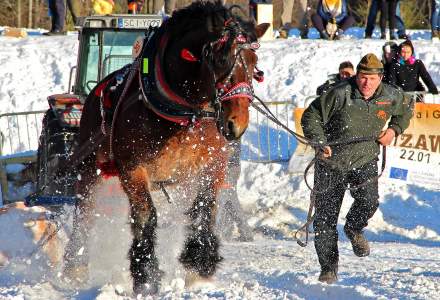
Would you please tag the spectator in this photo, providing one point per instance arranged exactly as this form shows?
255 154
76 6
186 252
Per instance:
346 70
230 211
435 19
388 11
389 54
371 20
103 7
407 71
151 6
301 16
332 19
57 10
361 107
135 6
74 8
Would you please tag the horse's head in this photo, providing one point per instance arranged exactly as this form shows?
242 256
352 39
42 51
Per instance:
220 61
232 61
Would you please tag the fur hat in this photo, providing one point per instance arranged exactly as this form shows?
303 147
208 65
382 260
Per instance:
370 64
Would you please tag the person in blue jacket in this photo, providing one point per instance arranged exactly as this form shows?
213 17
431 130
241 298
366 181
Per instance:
332 19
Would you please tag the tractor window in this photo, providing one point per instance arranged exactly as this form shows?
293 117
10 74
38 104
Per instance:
116 49
89 62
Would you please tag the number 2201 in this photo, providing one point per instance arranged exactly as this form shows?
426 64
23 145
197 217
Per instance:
414 156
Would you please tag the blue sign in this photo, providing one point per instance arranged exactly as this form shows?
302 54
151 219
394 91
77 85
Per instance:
398 173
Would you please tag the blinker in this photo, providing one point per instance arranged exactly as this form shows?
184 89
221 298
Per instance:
187 55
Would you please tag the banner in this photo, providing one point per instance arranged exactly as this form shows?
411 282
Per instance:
414 157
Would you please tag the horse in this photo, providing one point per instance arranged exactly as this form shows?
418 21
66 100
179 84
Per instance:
166 120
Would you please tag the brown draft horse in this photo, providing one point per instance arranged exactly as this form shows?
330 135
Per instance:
173 110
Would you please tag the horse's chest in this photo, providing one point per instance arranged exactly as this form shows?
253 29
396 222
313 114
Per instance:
185 155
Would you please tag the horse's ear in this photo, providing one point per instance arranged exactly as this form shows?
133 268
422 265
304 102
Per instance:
260 29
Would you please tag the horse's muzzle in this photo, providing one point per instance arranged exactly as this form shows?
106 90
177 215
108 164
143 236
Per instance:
233 131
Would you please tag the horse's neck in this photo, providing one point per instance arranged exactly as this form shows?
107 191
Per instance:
186 79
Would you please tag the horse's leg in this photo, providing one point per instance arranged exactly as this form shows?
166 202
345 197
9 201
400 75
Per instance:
76 253
200 254
144 265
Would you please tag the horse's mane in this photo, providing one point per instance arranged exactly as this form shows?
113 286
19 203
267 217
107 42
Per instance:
209 15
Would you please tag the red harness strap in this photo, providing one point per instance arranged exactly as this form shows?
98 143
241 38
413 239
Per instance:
108 169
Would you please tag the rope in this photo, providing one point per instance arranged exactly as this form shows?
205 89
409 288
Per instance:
318 156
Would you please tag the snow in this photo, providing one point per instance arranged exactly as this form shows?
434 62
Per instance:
404 233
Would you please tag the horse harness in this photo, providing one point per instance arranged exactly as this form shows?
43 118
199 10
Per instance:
157 94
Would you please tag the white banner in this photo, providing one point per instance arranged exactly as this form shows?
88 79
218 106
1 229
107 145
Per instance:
415 157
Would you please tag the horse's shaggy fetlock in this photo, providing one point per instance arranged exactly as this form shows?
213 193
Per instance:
200 253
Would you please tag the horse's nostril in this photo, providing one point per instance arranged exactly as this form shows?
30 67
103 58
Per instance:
231 127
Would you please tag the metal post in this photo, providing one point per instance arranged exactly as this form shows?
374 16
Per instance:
259 138
268 138
27 132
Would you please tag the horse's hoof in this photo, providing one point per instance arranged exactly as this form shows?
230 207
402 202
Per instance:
145 289
194 281
76 274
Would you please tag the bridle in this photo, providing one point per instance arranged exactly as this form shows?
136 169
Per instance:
160 97
224 89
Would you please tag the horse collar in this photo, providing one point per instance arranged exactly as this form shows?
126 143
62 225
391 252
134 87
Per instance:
157 94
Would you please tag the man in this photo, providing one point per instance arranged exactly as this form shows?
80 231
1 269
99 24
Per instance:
389 54
346 70
300 16
358 107
57 10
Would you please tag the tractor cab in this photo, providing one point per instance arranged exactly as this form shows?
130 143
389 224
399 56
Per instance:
105 45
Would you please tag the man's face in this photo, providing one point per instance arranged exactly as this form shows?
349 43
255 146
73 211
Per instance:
406 52
346 73
368 83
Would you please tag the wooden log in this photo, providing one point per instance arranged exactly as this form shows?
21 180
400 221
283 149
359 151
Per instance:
15 32
265 15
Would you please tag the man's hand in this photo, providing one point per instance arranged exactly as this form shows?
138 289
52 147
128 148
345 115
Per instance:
386 137
327 152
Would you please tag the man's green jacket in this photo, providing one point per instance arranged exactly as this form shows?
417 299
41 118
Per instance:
342 114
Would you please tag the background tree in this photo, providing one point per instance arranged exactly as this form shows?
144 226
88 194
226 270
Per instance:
415 13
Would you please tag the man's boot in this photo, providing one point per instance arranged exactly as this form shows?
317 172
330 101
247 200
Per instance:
358 242
328 275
